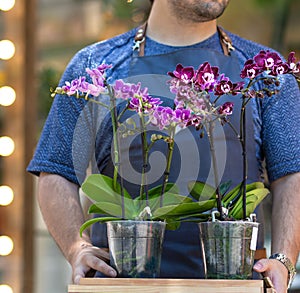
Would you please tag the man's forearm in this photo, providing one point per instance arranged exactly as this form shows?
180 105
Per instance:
60 206
285 216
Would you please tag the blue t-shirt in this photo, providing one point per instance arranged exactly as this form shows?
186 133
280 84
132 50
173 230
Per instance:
68 142
62 146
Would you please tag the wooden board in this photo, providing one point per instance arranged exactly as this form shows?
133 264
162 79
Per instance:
124 285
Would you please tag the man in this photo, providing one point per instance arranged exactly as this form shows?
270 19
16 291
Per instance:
172 25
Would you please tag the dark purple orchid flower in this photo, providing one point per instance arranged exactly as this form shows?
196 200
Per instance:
224 86
250 70
196 121
266 60
206 76
237 87
226 109
280 69
185 74
293 65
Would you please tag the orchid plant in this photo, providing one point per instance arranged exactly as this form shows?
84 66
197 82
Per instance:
197 92
110 197
192 89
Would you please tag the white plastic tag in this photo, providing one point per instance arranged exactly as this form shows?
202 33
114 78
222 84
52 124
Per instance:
254 238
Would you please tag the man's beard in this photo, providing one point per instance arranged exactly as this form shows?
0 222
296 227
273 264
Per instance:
197 10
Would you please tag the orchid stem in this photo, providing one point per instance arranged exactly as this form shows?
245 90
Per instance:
215 168
145 151
244 154
117 166
168 165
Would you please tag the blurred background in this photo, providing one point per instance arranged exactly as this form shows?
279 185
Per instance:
37 40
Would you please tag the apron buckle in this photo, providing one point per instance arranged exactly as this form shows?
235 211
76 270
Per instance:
229 45
137 44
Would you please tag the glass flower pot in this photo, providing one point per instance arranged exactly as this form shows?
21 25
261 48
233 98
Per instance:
135 247
228 248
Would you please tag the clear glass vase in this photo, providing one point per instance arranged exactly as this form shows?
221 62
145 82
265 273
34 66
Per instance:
228 248
135 247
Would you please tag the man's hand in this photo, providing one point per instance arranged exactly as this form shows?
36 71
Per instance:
276 271
87 257
63 215
285 227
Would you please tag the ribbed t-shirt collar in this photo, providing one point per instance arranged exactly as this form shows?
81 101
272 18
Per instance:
152 47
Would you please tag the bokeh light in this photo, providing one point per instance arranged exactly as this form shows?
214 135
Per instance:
7 146
6 5
7 95
6 289
6 195
7 49
6 245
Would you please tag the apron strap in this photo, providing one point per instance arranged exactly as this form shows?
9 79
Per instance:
139 40
225 41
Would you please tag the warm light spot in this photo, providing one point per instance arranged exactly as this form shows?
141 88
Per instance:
7 49
7 95
7 146
6 195
6 5
6 246
6 289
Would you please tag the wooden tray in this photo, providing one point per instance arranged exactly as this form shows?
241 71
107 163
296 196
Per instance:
124 285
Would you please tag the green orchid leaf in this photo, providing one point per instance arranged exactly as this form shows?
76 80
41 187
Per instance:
201 191
253 199
173 225
168 200
235 193
115 210
90 222
195 217
99 188
173 199
195 220
224 187
154 196
169 187
100 208
156 191
231 195
95 209
184 209
237 211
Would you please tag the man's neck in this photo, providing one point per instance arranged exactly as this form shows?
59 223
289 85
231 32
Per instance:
165 28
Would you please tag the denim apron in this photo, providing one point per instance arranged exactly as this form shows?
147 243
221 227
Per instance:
181 257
